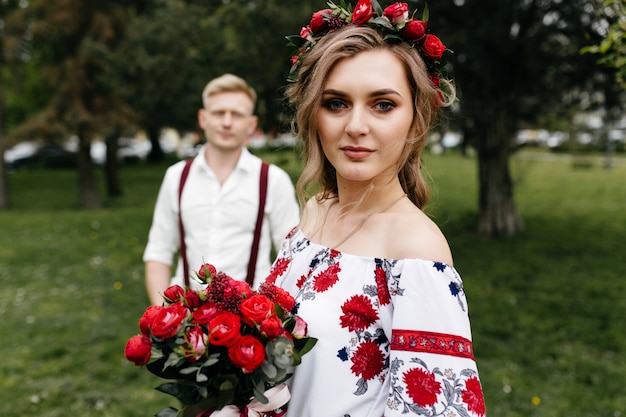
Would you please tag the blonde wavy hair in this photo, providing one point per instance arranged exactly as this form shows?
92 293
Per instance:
319 176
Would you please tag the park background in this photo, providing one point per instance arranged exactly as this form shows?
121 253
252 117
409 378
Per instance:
546 287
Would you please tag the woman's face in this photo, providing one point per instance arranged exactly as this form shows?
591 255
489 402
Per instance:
365 116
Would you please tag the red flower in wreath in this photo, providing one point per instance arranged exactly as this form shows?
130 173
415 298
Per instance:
473 396
358 313
367 361
422 386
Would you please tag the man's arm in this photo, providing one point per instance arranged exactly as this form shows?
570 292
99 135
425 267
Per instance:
157 281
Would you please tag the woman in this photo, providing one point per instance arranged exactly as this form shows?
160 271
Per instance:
372 274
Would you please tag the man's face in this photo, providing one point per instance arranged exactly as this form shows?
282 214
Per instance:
227 120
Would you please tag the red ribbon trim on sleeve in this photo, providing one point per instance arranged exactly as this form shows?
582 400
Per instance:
430 342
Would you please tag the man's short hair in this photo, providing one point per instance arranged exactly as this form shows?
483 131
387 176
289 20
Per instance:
228 83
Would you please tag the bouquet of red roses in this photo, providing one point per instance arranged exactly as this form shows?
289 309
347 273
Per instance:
226 347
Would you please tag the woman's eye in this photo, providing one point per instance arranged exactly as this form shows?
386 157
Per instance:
385 106
334 105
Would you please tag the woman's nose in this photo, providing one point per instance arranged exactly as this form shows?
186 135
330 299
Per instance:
357 123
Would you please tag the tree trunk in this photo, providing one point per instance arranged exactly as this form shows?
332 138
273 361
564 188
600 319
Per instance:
497 213
156 152
4 184
111 166
87 186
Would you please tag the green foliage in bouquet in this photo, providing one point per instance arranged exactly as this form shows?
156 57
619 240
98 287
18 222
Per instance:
223 345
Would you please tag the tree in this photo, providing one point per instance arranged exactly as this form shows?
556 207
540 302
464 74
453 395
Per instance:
514 62
611 24
74 39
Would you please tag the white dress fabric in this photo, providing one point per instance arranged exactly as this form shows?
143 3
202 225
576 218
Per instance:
394 336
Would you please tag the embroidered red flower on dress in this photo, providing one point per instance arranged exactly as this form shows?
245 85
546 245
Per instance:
327 278
279 268
381 285
367 361
358 313
422 386
473 396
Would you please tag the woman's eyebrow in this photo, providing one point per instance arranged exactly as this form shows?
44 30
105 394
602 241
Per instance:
377 93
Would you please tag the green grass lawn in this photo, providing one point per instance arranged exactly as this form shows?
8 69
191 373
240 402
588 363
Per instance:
548 307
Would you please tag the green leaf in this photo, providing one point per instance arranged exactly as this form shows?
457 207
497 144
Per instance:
425 13
171 388
377 8
190 370
167 412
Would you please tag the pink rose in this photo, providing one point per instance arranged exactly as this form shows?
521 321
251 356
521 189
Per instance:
319 23
138 350
415 30
196 343
398 13
248 353
224 329
363 12
169 320
174 293
256 308
305 33
433 47
301 329
145 322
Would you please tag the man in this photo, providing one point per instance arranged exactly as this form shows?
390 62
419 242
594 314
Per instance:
220 198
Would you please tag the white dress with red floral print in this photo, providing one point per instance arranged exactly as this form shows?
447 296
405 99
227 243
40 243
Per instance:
394 336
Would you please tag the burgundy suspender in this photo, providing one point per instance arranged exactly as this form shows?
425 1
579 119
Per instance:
254 251
259 222
181 229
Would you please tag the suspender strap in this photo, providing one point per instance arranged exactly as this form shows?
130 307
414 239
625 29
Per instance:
254 252
181 229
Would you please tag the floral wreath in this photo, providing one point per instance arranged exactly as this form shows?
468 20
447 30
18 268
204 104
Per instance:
393 22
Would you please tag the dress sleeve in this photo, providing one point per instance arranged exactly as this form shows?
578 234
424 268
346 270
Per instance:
431 363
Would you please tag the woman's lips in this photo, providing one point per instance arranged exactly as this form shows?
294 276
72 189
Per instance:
356 153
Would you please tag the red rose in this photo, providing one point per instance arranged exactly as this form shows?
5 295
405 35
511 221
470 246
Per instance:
174 293
205 313
138 350
168 321
286 300
271 326
192 299
398 13
319 23
256 308
248 353
145 322
240 289
206 271
196 343
415 30
433 47
224 329
362 12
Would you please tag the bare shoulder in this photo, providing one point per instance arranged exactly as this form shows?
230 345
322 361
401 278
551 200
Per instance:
412 234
